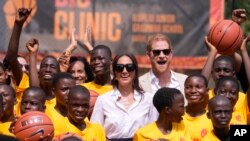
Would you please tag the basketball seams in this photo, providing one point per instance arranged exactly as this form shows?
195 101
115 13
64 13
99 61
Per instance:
16 132
212 32
222 37
233 46
226 36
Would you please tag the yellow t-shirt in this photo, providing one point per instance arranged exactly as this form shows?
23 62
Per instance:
24 84
240 111
4 129
50 103
211 137
92 132
97 88
151 132
58 120
198 127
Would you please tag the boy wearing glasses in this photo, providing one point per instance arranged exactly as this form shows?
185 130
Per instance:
160 53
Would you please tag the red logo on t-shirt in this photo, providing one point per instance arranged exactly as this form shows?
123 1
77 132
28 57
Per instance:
238 118
203 132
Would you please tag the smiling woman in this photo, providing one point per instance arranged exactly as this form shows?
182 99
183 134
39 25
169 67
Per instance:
126 108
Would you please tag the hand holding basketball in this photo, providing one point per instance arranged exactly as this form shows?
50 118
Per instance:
226 36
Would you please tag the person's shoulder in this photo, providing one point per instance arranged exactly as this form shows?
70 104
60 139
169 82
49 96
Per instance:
147 128
87 84
179 74
144 76
106 96
96 126
148 95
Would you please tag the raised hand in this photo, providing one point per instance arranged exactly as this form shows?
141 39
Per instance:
64 62
243 46
239 16
87 38
87 35
22 15
73 41
32 45
210 47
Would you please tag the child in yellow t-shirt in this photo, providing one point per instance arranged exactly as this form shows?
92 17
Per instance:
169 102
78 108
195 117
220 112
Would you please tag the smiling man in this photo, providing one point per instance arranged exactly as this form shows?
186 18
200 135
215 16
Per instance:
160 53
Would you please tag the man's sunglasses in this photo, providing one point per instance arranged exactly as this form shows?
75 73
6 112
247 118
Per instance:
120 67
157 52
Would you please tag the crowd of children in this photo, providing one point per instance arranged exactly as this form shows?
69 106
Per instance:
160 105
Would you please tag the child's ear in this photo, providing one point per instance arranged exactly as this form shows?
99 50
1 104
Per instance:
208 115
167 110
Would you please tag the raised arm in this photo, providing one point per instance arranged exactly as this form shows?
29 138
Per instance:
212 52
87 39
239 16
11 56
65 56
32 46
246 61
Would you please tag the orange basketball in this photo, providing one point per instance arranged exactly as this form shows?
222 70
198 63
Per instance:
93 97
68 136
226 36
33 126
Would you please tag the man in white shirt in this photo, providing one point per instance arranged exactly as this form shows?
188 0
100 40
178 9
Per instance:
160 53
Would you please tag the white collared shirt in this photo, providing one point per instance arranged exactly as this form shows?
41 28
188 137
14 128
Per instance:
155 82
119 122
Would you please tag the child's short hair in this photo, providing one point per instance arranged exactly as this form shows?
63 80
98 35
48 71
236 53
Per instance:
164 97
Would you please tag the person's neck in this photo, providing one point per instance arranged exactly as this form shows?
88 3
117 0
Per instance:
164 77
61 109
48 91
103 79
164 125
221 133
126 90
8 117
81 126
195 110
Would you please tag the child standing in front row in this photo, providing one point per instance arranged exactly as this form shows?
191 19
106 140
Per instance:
169 102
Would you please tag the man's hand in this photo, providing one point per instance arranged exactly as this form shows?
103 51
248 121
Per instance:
32 45
22 15
239 16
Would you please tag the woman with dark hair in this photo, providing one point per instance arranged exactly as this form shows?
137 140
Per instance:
80 70
127 107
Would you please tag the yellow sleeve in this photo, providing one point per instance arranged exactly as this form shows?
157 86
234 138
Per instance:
24 84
